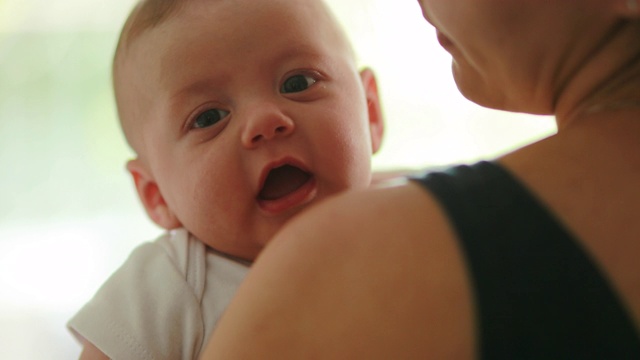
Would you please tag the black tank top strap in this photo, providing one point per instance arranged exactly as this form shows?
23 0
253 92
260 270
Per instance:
538 293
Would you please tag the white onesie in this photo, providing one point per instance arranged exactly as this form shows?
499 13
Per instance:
162 303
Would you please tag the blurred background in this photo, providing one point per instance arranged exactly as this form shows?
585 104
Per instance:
69 215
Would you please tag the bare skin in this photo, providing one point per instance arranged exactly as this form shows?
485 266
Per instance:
378 274
90 351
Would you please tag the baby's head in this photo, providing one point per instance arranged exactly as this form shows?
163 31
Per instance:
241 114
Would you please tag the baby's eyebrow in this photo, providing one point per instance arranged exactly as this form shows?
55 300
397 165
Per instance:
299 51
180 101
219 81
200 86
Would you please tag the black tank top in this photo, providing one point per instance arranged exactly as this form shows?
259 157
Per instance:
538 293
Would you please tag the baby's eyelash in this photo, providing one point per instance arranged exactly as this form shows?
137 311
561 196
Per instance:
208 118
299 81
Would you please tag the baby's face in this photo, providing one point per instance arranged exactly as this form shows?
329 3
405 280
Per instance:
248 112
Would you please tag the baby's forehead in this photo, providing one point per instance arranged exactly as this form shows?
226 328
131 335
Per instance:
150 17
301 21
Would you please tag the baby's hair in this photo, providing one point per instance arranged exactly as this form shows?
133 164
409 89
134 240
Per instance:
145 15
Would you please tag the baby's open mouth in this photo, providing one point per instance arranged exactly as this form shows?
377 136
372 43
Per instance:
282 181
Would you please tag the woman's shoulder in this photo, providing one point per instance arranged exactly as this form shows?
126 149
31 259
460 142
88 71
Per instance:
357 223
348 268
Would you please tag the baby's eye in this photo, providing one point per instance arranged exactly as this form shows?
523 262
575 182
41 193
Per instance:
209 118
297 83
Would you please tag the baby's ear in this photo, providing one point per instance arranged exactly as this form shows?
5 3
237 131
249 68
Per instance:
376 118
150 196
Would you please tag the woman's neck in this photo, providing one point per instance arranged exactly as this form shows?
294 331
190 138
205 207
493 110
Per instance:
608 80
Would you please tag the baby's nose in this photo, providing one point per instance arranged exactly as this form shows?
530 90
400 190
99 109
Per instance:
267 124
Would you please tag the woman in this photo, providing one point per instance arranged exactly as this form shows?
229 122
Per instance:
533 255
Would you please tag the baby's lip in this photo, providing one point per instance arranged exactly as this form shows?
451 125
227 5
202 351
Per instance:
275 199
276 164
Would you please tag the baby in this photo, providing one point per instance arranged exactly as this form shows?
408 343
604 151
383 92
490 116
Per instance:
241 114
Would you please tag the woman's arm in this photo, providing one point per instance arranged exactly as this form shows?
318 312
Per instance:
373 274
